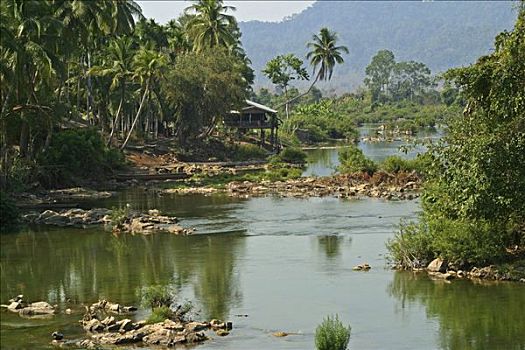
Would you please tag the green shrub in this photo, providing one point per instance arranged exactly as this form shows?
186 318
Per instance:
282 174
331 334
8 211
247 151
159 314
395 164
77 153
353 160
118 217
290 155
411 246
464 243
156 296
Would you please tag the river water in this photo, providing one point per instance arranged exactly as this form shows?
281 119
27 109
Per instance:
324 161
285 263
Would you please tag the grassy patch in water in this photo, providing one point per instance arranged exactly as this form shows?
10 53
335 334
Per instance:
276 172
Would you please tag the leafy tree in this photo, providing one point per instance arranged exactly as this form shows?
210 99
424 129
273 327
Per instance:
202 87
379 73
388 79
282 70
410 79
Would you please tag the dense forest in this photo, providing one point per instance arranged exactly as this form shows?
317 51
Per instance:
82 70
442 34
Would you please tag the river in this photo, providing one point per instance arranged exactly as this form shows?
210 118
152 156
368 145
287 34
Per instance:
324 161
285 263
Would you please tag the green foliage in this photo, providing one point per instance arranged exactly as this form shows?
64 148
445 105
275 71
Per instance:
353 160
290 155
8 211
281 174
201 88
331 334
156 296
159 314
324 54
285 68
77 153
320 122
395 164
119 216
474 199
464 243
247 151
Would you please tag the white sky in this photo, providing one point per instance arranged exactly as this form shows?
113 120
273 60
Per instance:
270 11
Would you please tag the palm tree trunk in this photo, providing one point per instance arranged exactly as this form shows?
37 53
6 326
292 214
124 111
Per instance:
136 116
114 124
300 95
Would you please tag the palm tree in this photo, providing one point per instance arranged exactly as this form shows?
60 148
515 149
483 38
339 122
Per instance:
119 66
210 25
149 65
324 55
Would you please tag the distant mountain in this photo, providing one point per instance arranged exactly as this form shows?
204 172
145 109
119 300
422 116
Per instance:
438 33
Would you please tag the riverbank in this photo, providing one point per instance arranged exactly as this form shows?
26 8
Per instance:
440 269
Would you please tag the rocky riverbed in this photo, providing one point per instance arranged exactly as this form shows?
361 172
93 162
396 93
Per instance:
124 220
381 185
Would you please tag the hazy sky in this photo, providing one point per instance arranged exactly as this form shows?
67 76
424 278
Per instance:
163 11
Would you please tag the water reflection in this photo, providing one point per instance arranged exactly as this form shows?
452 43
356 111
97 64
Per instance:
471 316
55 265
331 245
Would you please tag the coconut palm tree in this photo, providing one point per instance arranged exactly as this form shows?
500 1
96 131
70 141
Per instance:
323 56
118 65
149 65
210 25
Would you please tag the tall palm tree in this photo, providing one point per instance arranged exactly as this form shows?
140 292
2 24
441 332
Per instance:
149 65
211 26
118 65
324 55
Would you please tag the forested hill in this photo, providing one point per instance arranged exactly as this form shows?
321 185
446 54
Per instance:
437 33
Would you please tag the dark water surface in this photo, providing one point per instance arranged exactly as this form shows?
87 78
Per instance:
286 263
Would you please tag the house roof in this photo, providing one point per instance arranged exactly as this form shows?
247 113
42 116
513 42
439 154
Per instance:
259 106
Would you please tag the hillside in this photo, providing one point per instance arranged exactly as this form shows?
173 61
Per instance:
440 34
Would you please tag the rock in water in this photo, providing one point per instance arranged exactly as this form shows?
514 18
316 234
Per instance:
438 265
57 336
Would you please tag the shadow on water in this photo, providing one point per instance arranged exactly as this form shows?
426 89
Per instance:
481 316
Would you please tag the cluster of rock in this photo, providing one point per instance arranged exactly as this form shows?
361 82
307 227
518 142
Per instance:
151 223
58 197
339 186
168 333
191 190
343 186
70 217
40 308
132 222
441 269
362 267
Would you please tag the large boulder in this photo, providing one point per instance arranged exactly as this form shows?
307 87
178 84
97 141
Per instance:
438 265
